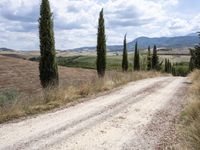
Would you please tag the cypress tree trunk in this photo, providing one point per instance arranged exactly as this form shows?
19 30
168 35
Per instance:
155 61
125 57
101 47
149 59
136 59
48 65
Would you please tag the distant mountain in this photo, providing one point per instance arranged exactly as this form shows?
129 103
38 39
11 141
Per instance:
189 40
6 49
168 42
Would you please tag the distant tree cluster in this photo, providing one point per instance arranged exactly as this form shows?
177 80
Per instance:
169 67
153 62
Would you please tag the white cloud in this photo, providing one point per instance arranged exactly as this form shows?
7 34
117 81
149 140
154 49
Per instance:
76 21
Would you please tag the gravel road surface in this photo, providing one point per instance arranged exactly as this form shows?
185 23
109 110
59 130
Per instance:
138 116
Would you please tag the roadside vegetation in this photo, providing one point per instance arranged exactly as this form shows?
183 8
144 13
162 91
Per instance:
15 105
190 120
190 128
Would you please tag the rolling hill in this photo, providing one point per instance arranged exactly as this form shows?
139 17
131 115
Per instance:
23 75
189 40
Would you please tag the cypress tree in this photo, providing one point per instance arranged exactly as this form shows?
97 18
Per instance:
166 65
48 65
155 60
192 60
149 59
170 67
101 47
136 58
173 71
125 57
195 57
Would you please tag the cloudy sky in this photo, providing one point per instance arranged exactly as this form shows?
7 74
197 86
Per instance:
76 21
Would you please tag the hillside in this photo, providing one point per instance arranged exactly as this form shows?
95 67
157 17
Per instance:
189 40
6 49
177 42
168 42
23 75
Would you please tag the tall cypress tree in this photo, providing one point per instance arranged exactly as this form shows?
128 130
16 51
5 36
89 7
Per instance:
125 57
101 47
48 65
136 65
149 59
155 60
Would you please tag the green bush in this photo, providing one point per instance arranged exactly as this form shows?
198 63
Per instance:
182 68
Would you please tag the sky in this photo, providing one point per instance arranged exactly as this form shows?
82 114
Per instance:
76 21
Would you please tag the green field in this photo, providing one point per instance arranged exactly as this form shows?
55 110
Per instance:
181 63
89 62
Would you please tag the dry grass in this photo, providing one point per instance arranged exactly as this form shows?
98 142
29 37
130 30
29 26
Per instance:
68 94
23 75
190 126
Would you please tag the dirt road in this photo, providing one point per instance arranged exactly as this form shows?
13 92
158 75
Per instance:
140 116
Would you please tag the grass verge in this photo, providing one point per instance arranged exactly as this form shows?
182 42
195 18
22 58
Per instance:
190 120
21 106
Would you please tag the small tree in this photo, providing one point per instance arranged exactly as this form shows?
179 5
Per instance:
48 65
101 47
125 57
155 59
149 59
136 65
